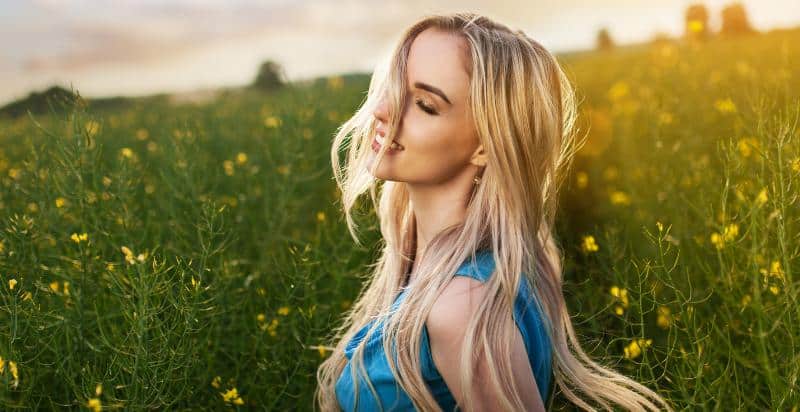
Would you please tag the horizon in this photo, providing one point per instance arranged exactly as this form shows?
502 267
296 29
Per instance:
158 47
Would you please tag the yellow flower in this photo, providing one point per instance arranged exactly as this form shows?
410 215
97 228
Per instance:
272 122
92 127
283 310
716 240
142 134
796 164
60 202
271 328
621 296
126 152
588 244
747 145
79 238
27 296
775 271
94 404
54 286
284 170
241 158
664 317
260 317
130 258
634 349
659 226
582 179
12 283
745 300
729 234
322 351
65 284
695 26
321 216
762 198
12 367
106 181
618 90
232 396
620 198
725 105
216 381
228 166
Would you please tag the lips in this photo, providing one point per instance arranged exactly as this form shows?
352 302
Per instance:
394 146
377 143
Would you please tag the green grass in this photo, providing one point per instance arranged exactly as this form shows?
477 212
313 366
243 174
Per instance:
240 265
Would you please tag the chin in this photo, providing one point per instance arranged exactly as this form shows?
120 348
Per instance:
381 172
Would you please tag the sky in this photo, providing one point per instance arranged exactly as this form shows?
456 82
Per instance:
125 47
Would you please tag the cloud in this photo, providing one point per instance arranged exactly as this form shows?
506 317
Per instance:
147 32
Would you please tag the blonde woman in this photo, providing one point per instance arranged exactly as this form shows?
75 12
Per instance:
469 127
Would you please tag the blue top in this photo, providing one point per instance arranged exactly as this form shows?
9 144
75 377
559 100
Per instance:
393 397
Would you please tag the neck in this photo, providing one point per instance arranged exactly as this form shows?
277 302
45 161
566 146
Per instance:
437 207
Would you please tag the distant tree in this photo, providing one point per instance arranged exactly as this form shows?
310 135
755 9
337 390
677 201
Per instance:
604 41
55 99
734 20
270 76
696 22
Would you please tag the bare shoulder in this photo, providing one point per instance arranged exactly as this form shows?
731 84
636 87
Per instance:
454 308
447 323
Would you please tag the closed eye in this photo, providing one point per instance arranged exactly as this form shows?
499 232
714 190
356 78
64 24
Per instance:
425 108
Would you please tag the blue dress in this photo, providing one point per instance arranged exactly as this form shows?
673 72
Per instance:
393 397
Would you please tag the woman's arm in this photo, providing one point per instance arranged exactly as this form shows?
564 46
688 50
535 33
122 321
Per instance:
446 326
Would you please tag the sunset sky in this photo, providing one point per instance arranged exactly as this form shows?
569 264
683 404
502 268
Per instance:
126 47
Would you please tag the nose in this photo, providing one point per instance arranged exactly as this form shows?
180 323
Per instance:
382 110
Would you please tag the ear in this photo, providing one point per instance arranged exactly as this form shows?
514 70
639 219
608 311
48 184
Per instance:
478 157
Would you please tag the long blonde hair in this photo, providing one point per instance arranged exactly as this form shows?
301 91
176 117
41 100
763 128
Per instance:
524 112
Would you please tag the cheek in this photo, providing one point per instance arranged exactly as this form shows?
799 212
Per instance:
430 155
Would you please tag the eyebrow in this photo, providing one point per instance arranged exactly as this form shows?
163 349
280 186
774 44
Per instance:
433 90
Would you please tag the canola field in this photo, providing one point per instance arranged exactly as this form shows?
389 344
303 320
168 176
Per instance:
192 256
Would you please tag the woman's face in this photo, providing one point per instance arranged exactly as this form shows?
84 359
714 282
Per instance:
436 132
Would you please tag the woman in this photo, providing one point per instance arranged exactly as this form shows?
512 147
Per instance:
469 125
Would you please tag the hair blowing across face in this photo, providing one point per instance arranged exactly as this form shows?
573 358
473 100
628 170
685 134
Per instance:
524 113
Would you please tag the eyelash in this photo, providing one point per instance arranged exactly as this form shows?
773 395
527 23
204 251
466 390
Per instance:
424 108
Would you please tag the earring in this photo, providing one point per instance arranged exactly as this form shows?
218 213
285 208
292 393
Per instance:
476 180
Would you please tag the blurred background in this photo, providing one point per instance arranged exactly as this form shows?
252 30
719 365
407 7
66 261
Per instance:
111 48
171 236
